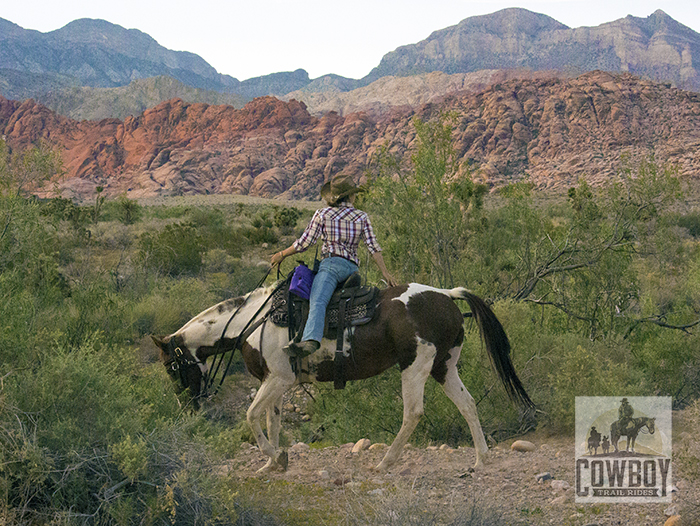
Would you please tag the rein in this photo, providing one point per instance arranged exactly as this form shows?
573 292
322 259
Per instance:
249 328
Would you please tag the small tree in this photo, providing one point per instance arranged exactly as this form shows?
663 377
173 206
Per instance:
582 263
426 210
129 211
19 173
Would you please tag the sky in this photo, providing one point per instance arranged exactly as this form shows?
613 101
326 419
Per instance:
250 38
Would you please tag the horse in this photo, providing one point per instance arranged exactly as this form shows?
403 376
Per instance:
631 431
606 445
416 326
593 442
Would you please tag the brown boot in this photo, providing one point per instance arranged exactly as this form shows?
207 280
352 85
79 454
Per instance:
302 349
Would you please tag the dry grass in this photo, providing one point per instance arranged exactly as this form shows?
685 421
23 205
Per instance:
225 199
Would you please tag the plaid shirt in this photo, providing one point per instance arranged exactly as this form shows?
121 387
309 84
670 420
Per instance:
341 229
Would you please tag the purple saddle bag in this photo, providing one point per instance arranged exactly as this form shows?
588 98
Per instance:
302 280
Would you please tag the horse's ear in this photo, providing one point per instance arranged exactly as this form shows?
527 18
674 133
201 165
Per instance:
159 343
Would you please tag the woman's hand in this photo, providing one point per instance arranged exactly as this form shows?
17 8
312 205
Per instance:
391 280
277 258
379 260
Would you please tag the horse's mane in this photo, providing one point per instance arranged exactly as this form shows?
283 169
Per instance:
229 305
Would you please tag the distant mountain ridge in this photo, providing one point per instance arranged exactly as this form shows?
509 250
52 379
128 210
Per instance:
99 54
657 47
53 67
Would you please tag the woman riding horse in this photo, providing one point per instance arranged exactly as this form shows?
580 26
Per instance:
341 227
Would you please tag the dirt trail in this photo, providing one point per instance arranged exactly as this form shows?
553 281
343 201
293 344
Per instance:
443 478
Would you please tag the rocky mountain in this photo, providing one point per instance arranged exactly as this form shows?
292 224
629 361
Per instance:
82 103
95 53
656 48
400 94
98 54
552 131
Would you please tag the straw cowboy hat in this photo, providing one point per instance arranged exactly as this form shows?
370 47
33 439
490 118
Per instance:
337 188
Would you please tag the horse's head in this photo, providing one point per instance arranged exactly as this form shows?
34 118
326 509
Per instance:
651 425
183 368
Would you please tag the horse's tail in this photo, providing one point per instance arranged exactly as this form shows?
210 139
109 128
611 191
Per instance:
497 345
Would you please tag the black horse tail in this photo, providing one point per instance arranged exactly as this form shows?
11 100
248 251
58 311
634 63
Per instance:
497 345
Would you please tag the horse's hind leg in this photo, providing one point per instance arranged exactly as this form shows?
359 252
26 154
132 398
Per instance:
268 398
413 380
455 390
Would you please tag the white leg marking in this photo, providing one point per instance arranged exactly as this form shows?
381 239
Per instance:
274 423
269 394
413 380
455 390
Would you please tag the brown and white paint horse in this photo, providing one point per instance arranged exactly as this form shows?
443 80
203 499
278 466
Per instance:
418 327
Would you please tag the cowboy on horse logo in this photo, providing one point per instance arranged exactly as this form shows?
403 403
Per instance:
623 449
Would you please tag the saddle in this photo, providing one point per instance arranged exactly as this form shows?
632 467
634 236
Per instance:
350 305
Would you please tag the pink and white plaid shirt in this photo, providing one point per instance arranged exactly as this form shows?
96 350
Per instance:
341 229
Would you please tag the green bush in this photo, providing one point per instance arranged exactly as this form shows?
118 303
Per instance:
691 222
261 230
125 210
176 250
286 219
171 304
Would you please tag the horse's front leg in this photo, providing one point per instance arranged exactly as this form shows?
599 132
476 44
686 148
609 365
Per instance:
274 426
268 399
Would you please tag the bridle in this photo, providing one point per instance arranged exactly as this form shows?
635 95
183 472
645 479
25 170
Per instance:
179 364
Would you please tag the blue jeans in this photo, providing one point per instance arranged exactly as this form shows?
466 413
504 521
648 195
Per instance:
333 270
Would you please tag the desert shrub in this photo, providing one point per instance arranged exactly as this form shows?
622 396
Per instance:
670 363
77 397
126 211
286 219
170 304
218 231
691 222
88 436
218 260
229 277
412 507
261 229
176 250
166 212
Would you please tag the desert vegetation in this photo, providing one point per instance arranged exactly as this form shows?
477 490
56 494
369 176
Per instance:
599 291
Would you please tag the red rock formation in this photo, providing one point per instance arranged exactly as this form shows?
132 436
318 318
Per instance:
552 131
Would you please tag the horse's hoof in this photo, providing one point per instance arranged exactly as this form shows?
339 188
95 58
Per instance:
279 463
380 468
282 460
267 468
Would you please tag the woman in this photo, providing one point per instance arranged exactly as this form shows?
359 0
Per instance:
341 227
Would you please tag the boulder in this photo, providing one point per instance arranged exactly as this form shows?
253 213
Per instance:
361 445
523 446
